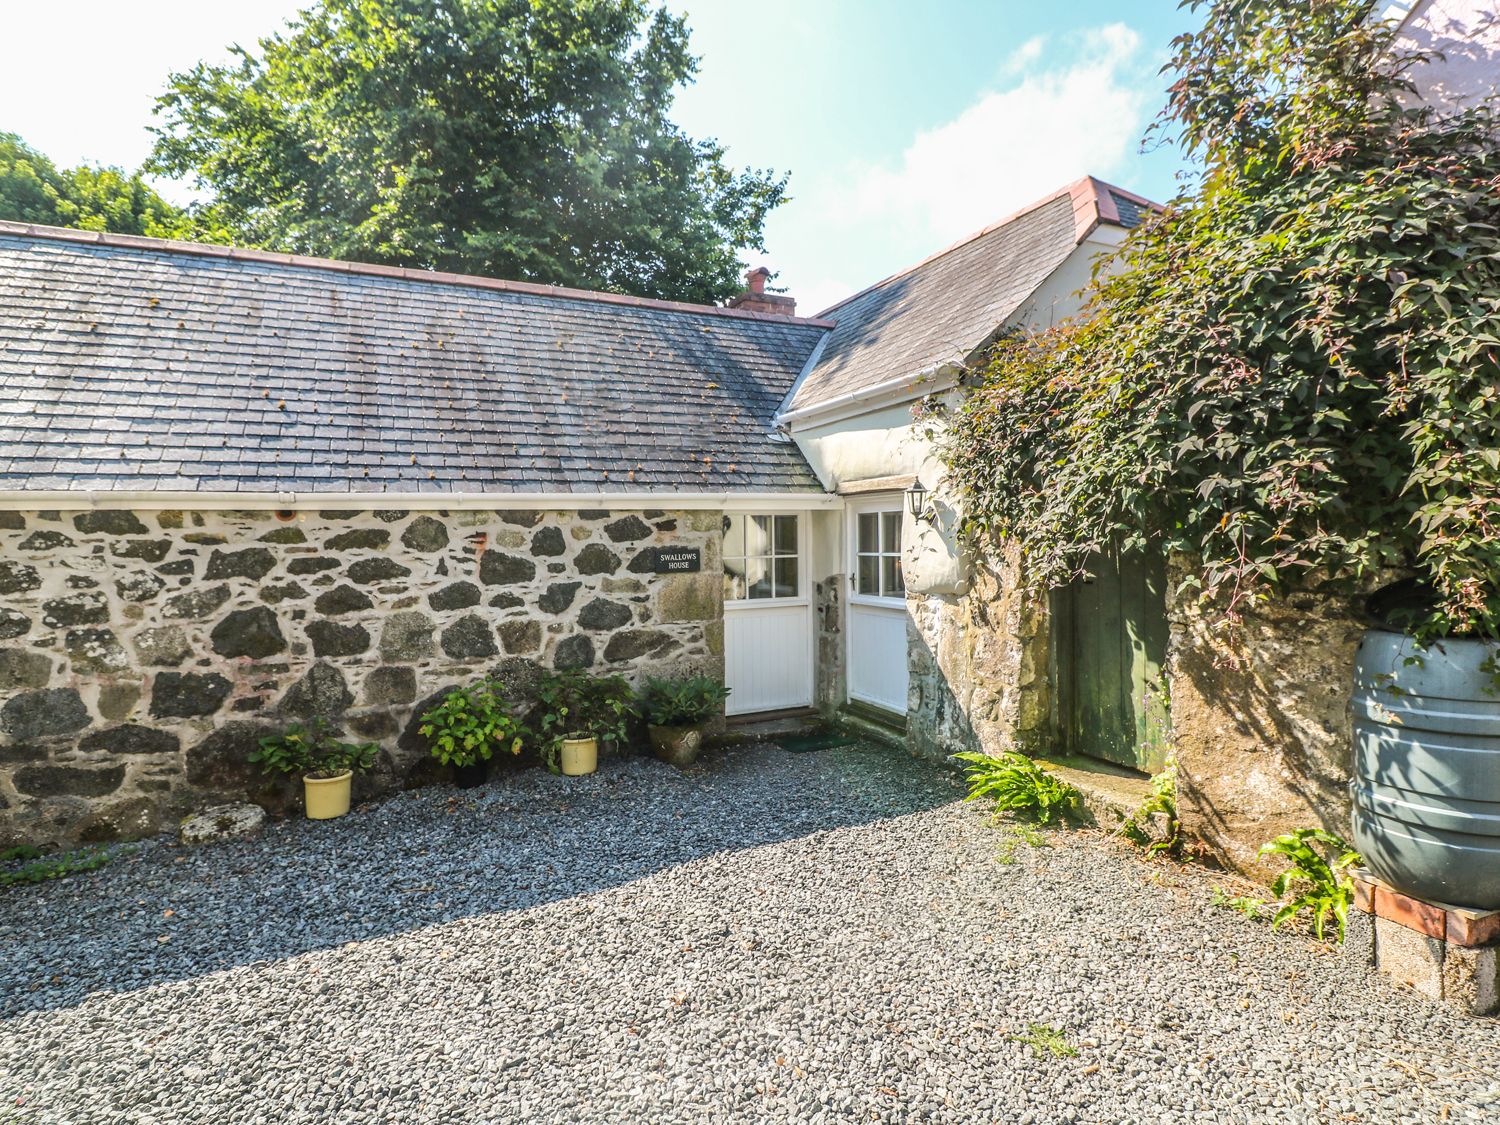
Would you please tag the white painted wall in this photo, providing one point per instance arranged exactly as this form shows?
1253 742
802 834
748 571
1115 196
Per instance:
885 441
1467 34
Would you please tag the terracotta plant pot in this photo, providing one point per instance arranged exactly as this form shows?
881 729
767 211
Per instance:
327 797
677 746
579 756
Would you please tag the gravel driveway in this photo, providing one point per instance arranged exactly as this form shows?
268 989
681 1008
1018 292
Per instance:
773 936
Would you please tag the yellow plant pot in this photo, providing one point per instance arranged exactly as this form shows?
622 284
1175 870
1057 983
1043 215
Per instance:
327 797
580 756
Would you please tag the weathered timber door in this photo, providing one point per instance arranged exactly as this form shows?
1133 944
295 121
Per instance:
1110 645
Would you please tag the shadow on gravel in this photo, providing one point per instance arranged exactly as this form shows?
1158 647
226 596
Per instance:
432 856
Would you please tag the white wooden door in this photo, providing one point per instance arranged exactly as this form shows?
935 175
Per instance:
768 635
877 605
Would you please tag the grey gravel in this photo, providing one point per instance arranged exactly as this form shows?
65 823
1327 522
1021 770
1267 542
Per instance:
771 936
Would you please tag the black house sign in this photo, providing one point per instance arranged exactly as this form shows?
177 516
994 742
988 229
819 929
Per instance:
678 560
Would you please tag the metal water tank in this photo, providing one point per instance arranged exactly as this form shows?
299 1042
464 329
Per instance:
1426 782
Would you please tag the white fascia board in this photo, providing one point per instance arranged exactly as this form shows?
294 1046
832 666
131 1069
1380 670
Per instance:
149 500
908 388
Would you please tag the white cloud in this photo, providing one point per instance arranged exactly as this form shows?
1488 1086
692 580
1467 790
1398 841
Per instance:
1059 121
1026 55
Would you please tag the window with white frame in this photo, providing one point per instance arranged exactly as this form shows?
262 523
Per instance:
761 557
877 559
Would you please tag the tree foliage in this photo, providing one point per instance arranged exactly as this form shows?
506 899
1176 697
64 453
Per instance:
522 138
34 190
1294 372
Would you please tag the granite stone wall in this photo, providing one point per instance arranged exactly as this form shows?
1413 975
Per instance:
142 654
977 666
1260 718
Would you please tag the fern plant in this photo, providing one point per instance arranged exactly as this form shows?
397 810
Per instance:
1141 828
1315 877
1018 784
1251 908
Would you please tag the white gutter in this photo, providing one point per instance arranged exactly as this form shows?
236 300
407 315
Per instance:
149 500
930 380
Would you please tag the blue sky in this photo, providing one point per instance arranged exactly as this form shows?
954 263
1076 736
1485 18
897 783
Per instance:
905 125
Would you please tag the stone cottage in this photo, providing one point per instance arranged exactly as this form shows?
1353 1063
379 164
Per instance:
239 488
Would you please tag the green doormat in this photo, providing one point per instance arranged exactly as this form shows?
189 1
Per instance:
806 743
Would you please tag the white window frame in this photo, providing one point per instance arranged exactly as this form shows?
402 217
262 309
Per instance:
893 503
800 598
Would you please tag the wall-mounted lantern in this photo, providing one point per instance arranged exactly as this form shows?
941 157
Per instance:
916 501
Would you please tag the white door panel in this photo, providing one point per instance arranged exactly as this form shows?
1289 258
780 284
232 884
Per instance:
768 659
877 656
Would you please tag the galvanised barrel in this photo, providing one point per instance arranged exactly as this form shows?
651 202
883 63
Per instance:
1426 782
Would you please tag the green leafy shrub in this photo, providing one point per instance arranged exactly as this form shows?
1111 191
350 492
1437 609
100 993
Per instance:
1018 784
313 751
682 703
574 704
1289 377
470 724
1315 877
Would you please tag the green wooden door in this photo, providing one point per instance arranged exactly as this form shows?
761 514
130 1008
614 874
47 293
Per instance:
1111 643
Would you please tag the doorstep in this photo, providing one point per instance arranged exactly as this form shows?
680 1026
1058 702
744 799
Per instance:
1111 794
873 722
1450 953
767 726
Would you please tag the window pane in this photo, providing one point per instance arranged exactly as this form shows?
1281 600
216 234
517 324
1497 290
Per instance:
734 579
758 576
890 528
786 535
868 580
786 578
758 536
734 535
869 531
892 584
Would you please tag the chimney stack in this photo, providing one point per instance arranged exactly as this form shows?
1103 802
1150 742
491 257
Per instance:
756 299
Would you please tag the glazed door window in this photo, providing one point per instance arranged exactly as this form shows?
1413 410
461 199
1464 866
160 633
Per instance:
761 555
877 559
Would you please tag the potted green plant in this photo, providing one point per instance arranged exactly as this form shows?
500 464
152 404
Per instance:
466 728
326 764
576 712
676 713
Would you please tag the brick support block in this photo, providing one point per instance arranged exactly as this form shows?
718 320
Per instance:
1425 918
1412 958
1471 979
1473 927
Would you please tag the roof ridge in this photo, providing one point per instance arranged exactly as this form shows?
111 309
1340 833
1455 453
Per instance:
370 269
1088 193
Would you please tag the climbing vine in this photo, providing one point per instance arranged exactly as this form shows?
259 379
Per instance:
1294 371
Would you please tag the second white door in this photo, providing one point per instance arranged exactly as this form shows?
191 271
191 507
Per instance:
877 606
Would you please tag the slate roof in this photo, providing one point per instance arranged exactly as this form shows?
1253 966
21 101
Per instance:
945 307
138 364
